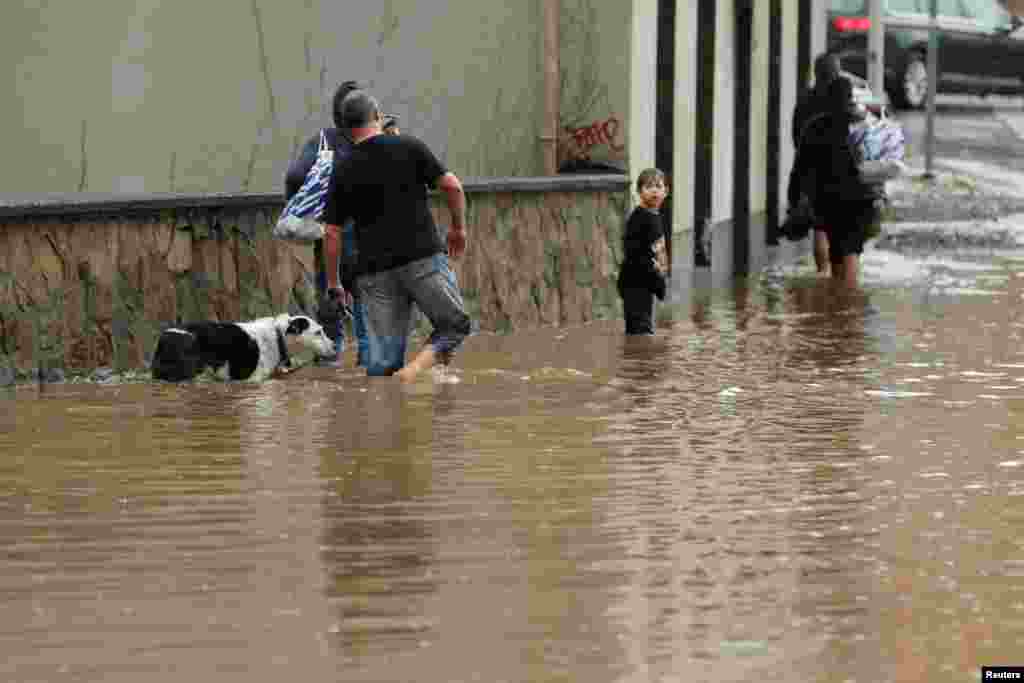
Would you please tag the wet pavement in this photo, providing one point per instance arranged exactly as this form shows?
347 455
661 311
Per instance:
978 162
786 484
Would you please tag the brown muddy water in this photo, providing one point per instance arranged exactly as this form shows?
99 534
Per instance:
784 485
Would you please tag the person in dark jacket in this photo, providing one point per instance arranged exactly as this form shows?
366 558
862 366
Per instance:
333 308
337 138
644 263
826 172
811 103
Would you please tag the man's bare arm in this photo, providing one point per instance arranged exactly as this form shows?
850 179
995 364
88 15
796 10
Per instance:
332 254
451 186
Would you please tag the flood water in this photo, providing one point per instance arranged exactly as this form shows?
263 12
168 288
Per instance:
784 485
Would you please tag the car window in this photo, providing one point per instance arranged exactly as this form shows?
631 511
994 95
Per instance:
951 8
989 14
849 6
907 6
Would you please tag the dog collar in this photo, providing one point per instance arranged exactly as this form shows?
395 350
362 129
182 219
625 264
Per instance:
282 349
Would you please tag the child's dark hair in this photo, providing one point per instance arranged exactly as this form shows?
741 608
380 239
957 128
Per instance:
649 176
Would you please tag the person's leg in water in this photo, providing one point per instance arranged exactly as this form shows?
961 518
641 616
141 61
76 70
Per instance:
384 311
840 260
348 246
850 271
432 284
638 311
821 260
847 230
332 320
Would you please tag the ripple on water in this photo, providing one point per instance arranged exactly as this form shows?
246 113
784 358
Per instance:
778 479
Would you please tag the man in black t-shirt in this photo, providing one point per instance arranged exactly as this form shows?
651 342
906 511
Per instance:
402 259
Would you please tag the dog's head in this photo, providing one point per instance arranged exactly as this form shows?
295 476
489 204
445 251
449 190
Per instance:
305 332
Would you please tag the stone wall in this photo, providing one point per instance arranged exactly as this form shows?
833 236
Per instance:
90 283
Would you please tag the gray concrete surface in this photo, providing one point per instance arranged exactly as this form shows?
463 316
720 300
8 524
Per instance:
978 162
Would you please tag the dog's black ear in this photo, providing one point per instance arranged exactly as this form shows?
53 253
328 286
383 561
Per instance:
298 325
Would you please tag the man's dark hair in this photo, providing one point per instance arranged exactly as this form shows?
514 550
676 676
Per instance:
827 68
359 109
649 176
340 94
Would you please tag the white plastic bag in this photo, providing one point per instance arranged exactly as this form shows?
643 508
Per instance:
881 170
880 146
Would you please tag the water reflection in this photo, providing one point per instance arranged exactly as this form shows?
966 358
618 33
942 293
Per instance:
379 546
786 483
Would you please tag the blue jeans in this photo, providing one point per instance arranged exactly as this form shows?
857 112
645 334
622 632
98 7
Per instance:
348 240
386 303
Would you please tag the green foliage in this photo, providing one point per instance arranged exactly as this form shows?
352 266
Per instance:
585 272
46 317
131 328
537 295
471 300
607 304
504 223
253 291
552 264
8 312
190 296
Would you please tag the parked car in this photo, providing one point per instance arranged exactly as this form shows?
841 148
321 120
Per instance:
981 51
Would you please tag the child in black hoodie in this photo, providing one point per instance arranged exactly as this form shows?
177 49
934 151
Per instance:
644 263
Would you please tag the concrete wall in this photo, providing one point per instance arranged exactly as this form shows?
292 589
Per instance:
596 87
725 137
791 9
643 26
158 101
685 131
196 97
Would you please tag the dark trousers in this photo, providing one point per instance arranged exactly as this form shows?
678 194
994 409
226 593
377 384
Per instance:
638 307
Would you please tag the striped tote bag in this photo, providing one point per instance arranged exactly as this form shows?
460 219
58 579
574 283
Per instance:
300 219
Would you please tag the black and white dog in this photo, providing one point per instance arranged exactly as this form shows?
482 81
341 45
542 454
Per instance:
242 351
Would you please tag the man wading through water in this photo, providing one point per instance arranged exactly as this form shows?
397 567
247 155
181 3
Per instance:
401 259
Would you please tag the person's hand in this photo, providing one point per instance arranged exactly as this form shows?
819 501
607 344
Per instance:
332 310
341 295
456 241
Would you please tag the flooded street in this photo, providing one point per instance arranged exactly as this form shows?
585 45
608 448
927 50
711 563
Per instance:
785 485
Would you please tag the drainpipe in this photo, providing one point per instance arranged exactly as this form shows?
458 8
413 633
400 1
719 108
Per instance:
551 14
876 49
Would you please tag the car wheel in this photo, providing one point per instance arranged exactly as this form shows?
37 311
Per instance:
912 91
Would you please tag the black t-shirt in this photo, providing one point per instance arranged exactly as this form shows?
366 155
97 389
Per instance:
382 184
643 230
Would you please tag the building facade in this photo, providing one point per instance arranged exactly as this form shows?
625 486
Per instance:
197 98
720 80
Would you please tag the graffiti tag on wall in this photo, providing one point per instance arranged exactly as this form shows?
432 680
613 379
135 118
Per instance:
584 139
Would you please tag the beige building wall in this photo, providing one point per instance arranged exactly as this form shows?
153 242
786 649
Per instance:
595 58
790 18
685 121
156 100
760 74
724 133
643 84
190 96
